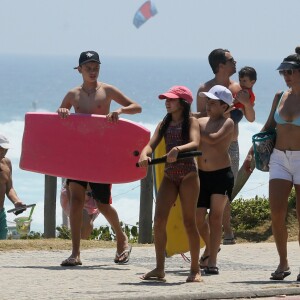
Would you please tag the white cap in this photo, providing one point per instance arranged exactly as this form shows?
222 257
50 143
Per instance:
4 142
218 92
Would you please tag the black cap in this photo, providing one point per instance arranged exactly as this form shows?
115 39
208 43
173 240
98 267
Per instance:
288 65
88 56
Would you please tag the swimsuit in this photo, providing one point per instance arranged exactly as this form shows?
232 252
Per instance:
278 119
100 191
177 170
285 165
3 225
214 182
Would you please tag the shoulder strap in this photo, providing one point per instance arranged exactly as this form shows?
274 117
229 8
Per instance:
279 99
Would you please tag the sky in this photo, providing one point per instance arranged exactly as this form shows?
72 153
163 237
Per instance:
258 29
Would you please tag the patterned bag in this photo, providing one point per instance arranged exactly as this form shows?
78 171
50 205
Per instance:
263 144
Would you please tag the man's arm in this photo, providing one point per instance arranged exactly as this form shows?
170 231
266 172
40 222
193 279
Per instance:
65 106
201 103
10 191
128 105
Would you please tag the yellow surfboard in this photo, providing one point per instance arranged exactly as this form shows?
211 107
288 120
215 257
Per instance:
177 240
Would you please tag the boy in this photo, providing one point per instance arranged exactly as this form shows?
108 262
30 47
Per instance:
215 172
6 185
247 78
223 66
94 97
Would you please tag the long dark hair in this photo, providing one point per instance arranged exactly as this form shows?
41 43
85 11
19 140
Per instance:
185 130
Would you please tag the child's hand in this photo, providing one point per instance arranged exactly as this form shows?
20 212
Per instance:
144 161
229 109
63 112
243 97
172 155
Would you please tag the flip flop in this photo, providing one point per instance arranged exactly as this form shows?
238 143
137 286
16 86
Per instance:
126 253
154 278
229 241
71 262
280 275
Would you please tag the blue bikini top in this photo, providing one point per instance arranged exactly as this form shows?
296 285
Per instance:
278 119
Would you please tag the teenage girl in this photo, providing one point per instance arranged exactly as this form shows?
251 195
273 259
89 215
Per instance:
181 133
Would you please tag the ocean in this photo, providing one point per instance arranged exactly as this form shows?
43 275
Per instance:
39 83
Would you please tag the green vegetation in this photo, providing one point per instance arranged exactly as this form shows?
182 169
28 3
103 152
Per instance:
251 220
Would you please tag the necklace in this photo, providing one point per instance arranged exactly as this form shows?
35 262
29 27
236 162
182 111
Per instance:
91 91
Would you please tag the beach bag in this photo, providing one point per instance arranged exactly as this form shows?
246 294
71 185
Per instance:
263 144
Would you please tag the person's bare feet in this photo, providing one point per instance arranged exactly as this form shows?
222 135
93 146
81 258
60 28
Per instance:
155 274
194 277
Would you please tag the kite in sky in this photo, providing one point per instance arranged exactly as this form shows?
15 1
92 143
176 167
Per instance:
145 12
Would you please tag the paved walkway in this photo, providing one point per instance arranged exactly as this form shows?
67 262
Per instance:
244 273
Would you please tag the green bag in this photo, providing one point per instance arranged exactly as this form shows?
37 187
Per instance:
263 144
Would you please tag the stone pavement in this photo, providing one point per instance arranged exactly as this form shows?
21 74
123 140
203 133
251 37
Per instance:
244 273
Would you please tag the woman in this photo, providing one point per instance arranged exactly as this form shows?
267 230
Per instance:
285 159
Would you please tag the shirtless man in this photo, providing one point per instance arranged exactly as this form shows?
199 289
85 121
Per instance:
216 177
94 97
223 66
6 185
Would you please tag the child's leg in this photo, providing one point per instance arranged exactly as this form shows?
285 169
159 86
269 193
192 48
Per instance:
189 191
204 231
166 197
217 205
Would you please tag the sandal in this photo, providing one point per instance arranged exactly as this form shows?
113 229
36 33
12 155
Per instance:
202 260
126 255
71 262
212 270
280 275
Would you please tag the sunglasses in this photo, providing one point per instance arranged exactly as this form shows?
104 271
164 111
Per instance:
287 72
230 60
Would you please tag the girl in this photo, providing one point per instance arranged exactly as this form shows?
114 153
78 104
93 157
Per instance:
181 133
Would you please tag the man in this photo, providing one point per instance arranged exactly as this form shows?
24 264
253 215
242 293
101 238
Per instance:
6 185
94 97
223 66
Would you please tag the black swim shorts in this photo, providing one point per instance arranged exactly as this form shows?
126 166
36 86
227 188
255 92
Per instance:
214 182
100 191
